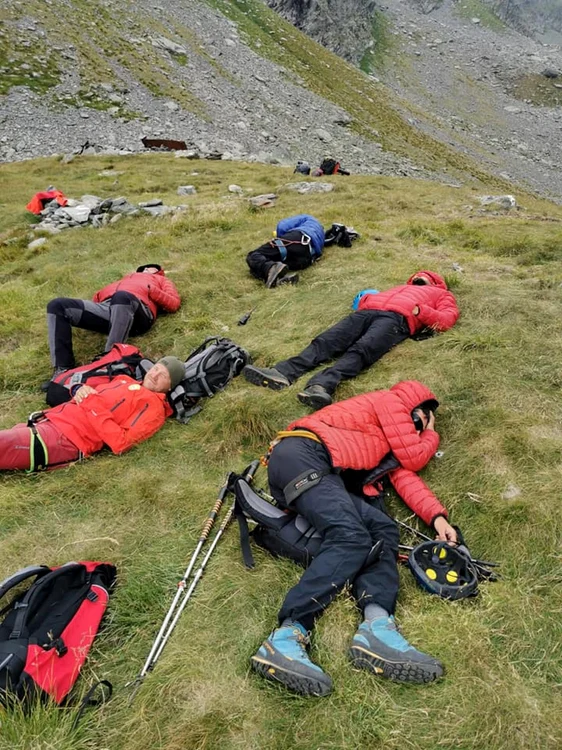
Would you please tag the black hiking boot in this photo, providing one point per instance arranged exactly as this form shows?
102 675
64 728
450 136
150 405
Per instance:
378 647
276 271
315 397
268 377
290 278
57 371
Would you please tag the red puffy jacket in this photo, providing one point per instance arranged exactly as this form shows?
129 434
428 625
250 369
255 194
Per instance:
37 203
359 432
121 414
437 306
154 289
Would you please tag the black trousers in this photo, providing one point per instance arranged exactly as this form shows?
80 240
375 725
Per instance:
120 316
261 260
349 527
358 341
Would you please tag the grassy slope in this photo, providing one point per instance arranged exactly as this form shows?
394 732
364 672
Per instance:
497 375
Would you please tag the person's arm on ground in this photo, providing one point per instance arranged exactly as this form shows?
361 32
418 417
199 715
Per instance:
420 499
441 317
164 294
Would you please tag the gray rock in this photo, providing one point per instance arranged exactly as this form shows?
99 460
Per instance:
162 42
172 106
78 214
267 200
186 190
511 492
115 219
310 187
151 203
92 201
324 135
235 189
37 243
187 155
513 109
506 202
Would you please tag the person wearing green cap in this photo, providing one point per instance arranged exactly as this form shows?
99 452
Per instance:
117 414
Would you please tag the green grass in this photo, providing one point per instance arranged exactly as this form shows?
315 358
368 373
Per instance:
537 89
375 57
479 9
497 375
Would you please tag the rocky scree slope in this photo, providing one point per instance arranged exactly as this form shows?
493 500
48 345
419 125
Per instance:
469 79
107 72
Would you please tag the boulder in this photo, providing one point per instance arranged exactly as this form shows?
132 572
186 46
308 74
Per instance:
505 202
186 190
310 187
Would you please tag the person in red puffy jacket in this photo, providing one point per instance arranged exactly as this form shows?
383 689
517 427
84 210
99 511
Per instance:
382 321
118 414
125 307
326 466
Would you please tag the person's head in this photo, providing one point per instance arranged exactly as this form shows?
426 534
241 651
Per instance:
150 268
427 278
165 375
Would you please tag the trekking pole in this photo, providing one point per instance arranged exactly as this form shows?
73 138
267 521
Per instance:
167 627
207 526
248 476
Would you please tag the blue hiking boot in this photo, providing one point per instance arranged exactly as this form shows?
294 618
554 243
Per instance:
378 647
283 658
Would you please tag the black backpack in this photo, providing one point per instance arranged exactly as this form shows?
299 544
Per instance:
283 533
208 369
46 630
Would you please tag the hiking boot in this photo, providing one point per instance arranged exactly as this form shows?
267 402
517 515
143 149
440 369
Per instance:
266 376
378 647
315 397
290 278
275 272
57 371
283 658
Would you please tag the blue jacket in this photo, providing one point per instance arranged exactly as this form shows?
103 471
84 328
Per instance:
309 226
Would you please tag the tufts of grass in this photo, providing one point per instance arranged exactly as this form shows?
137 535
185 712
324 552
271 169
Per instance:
479 9
535 88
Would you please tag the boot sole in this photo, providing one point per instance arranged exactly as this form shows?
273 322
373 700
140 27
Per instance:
411 672
257 378
314 402
296 682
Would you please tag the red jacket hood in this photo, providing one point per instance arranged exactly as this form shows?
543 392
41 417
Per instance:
412 393
436 280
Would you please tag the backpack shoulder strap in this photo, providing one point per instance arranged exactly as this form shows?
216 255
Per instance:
22 575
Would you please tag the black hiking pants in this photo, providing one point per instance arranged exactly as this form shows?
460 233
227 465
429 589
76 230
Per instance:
120 316
298 256
358 341
349 527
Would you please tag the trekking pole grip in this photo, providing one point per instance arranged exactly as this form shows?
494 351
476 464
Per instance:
213 514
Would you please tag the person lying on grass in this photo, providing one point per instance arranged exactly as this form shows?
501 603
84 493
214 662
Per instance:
381 321
299 242
117 415
125 307
329 471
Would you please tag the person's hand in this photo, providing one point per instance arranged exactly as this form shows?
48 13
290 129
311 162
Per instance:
431 421
83 392
416 310
445 532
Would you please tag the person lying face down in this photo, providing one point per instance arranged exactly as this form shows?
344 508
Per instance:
381 321
118 415
327 467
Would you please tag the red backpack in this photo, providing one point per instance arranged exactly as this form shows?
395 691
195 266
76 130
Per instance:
122 359
47 629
